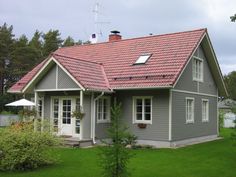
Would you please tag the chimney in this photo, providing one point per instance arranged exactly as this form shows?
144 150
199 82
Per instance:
114 36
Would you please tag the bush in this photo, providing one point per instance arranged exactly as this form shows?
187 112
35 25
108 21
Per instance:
21 148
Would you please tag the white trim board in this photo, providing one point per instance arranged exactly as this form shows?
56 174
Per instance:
195 93
216 62
66 89
65 70
37 74
170 115
189 59
141 88
52 59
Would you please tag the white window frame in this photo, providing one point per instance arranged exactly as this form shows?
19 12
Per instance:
186 108
52 113
108 111
143 59
198 73
205 116
135 121
42 107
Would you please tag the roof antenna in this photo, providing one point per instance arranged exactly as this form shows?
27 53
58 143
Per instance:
97 32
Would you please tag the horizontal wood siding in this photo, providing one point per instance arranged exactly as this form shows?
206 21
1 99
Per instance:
86 129
49 80
56 78
186 82
159 129
181 130
64 81
47 107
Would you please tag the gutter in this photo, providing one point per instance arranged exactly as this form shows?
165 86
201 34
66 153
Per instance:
94 117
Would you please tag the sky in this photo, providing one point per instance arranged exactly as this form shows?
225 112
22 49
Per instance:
133 18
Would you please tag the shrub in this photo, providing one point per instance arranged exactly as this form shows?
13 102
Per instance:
22 148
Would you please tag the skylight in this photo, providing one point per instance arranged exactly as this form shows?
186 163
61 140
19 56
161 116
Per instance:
143 59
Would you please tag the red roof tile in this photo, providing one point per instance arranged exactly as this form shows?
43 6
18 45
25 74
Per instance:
89 74
170 53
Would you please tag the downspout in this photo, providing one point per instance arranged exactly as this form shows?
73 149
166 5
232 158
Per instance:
94 116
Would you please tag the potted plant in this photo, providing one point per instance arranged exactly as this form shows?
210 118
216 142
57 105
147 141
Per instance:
141 125
78 114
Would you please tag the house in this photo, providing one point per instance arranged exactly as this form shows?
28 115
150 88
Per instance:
168 85
225 106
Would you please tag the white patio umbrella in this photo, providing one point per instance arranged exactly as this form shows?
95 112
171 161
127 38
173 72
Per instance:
21 102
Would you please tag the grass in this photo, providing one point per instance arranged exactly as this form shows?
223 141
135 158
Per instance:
212 159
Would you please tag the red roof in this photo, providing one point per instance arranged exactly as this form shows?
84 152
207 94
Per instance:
81 71
110 65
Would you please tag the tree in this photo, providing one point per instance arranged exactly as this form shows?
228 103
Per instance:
115 156
6 44
36 43
233 18
69 41
24 57
52 42
230 81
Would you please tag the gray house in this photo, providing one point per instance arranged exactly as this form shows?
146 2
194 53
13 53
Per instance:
168 86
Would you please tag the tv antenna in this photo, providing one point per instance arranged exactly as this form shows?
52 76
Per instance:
97 23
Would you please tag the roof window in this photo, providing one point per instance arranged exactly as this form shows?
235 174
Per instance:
143 59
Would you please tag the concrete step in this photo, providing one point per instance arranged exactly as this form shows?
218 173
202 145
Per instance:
75 142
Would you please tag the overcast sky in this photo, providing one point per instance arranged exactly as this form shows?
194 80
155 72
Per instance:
133 18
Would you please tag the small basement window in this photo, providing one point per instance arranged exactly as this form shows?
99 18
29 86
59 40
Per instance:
143 59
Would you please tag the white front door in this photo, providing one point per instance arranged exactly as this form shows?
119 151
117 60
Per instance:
62 120
66 119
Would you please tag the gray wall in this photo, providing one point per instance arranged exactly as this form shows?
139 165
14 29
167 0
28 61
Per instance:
87 118
49 80
64 81
101 128
186 81
181 130
159 129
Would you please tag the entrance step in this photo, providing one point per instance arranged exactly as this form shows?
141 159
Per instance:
75 142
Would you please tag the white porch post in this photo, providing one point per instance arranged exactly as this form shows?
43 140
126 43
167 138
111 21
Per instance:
82 109
36 109
92 116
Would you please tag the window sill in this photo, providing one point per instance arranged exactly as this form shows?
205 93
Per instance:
190 122
197 80
142 122
103 121
205 121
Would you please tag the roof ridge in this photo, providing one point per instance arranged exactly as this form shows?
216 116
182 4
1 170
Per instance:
135 38
76 58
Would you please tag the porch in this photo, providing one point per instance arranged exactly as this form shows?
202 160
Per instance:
57 108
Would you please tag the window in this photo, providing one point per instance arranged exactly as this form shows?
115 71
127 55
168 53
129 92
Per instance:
205 110
143 59
197 69
66 111
55 114
40 107
103 110
142 109
189 110
77 120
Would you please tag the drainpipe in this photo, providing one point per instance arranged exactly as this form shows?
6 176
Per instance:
94 116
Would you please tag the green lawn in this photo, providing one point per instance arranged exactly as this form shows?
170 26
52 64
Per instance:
212 159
